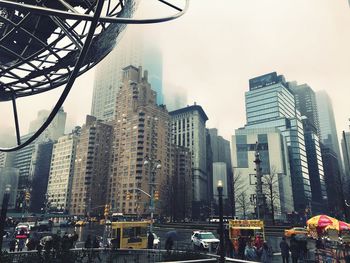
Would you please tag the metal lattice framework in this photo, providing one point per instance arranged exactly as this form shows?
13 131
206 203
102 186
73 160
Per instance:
45 44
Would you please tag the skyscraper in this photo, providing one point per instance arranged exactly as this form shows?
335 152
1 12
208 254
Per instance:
188 130
91 168
345 144
305 100
271 103
221 153
141 132
329 136
39 175
56 127
133 49
62 170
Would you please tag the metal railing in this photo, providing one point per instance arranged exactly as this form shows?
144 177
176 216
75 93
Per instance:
113 255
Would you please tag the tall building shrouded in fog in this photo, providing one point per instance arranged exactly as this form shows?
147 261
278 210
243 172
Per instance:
188 130
305 100
133 49
271 103
141 132
328 129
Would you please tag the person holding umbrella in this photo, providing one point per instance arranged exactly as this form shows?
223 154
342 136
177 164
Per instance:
150 240
170 237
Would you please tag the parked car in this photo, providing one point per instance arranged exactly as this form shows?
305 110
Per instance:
44 225
204 240
296 231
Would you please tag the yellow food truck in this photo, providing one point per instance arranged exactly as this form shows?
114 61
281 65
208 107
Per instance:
129 234
246 229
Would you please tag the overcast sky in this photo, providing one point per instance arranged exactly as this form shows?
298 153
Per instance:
214 50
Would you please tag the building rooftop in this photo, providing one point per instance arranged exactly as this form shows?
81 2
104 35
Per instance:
190 109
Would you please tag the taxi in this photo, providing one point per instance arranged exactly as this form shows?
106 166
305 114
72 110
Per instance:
296 231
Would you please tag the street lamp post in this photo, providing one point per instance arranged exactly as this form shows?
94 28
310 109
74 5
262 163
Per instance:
221 223
5 202
153 165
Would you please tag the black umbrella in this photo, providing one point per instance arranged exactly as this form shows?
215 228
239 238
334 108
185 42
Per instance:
173 235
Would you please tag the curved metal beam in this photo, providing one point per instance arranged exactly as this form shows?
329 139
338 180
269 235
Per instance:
70 82
75 16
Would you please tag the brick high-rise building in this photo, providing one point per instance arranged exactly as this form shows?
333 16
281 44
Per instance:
90 179
141 129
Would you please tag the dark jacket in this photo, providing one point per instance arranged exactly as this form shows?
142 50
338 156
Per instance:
284 248
294 247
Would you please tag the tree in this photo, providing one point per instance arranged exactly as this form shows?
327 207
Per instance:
271 190
241 200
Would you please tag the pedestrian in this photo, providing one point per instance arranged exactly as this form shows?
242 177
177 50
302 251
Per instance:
266 253
65 243
303 249
250 252
235 248
284 250
169 243
12 245
31 244
241 247
228 246
96 243
21 244
150 240
88 242
294 249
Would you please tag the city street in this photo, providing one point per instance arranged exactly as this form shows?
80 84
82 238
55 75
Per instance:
182 243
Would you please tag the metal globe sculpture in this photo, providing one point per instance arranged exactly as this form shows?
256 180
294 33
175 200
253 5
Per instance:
45 44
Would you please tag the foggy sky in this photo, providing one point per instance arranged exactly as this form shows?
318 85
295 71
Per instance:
214 50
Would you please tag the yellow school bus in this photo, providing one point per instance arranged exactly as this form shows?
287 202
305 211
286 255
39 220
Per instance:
129 234
246 229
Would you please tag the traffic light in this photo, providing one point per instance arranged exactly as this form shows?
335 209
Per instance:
27 196
156 195
128 196
106 212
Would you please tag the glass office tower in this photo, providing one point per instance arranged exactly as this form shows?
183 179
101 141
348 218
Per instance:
270 103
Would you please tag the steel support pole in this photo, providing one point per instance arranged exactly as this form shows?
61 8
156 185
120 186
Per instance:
5 202
221 226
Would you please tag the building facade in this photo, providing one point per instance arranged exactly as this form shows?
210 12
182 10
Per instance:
188 130
273 150
181 198
271 103
9 176
133 49
39 175
328 129
305 101
141 132
345 144
61 171
333 183
221 152
91 168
